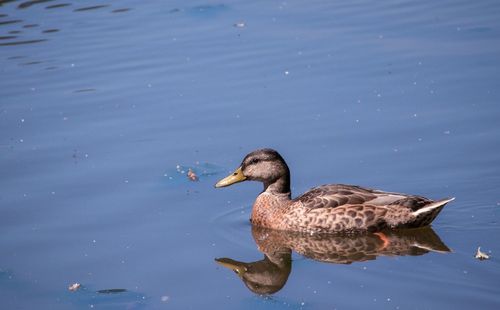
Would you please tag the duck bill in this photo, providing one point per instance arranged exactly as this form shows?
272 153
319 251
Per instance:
235 266
235 177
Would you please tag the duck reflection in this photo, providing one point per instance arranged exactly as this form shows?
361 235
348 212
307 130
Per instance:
269 275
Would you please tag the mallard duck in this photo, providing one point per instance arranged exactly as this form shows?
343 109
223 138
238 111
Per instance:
326 208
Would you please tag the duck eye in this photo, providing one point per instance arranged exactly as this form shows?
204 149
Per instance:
254 161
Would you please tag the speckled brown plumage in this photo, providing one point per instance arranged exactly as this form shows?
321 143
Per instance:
327 208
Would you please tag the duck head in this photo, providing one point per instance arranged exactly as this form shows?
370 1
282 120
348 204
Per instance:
264 165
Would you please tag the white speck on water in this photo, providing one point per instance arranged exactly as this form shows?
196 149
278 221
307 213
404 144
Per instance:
53 193
165 298
126 181
239 25
149 85
302 303
21 140
33 89
446 132
72 65
65 118
364 268
415 115
466 272
94 241
415 83
22 120
287 72
388 299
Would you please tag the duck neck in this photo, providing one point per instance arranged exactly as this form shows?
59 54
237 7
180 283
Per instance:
279 186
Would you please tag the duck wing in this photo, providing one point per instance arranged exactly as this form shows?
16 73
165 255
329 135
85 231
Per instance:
335 195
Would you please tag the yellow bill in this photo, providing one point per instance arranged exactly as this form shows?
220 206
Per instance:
235 177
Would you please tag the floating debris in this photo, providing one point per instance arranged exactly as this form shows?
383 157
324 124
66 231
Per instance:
74 287
192 176
199 171
239 25
180 169
481 255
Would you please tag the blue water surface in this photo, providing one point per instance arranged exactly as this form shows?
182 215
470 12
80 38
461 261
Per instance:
106 105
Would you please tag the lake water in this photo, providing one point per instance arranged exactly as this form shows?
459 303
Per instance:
105 106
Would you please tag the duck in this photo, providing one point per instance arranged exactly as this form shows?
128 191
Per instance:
329 208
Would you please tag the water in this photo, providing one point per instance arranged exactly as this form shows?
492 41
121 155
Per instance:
103 105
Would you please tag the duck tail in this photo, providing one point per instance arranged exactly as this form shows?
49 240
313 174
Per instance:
428 213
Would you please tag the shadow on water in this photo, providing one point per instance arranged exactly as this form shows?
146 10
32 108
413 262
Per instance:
84 297
269 275
108 298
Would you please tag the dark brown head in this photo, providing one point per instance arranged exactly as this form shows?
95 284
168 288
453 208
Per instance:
264 165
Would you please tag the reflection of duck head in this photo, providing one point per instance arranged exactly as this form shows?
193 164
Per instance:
269 275
266 276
